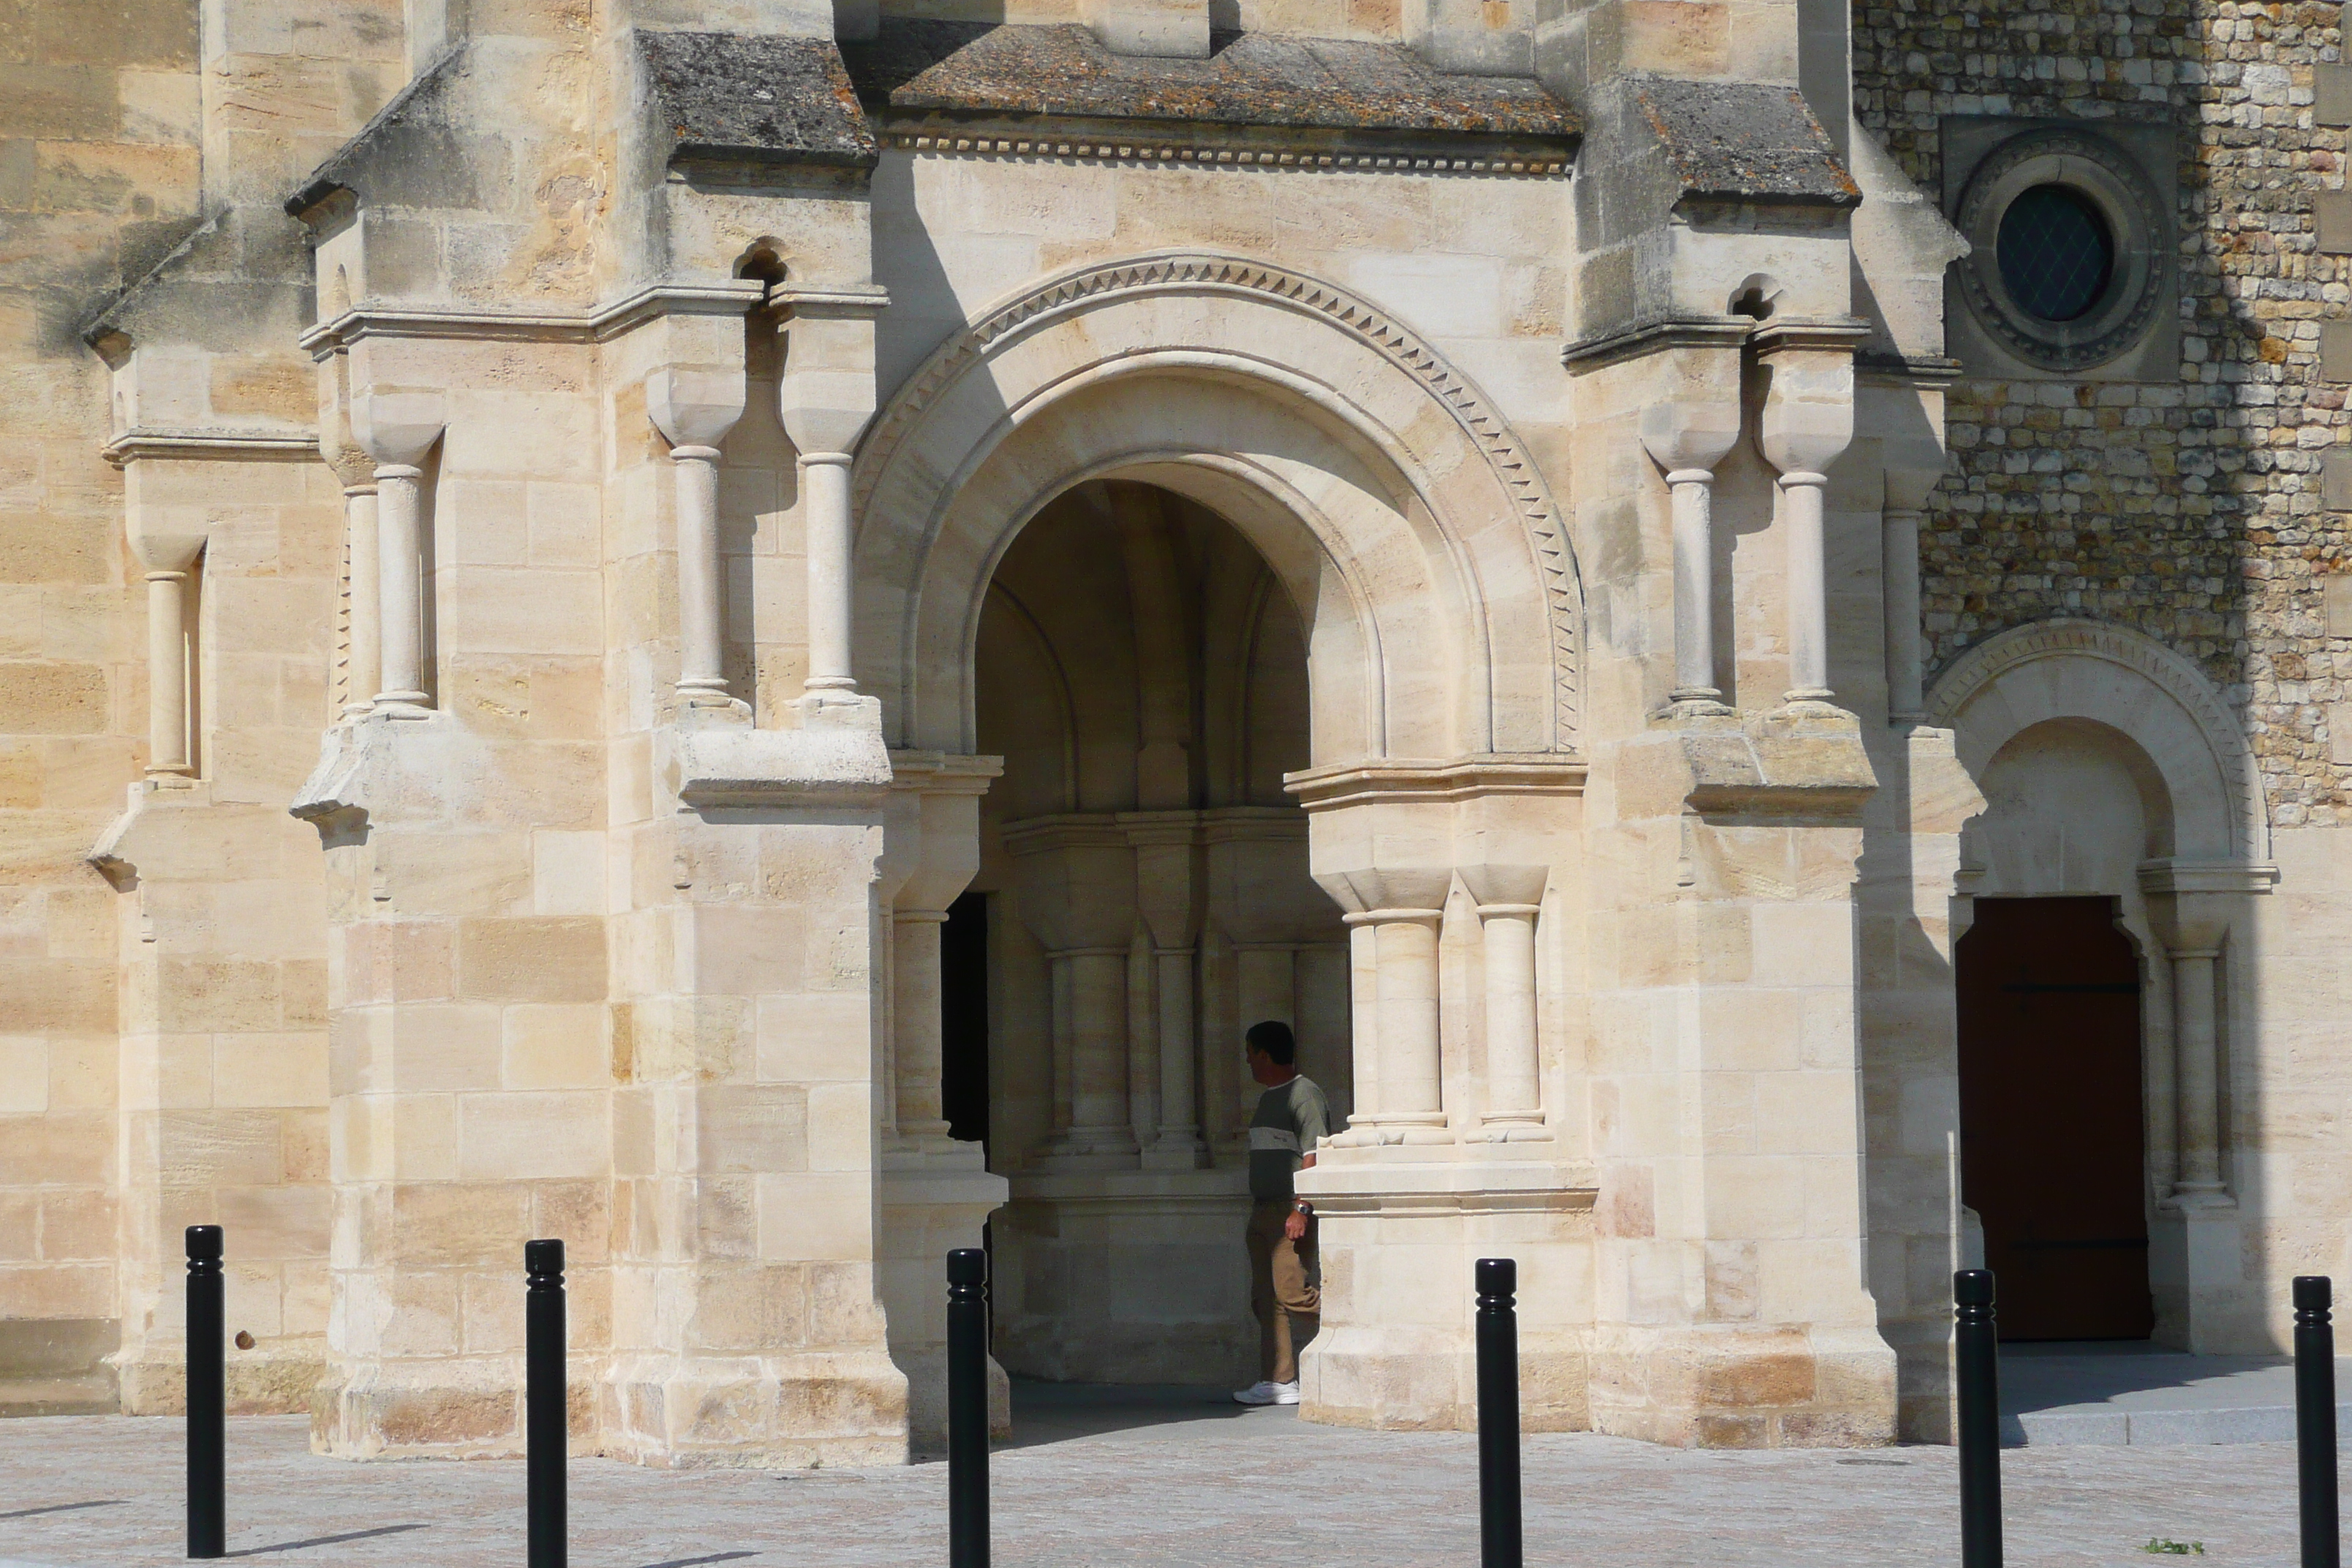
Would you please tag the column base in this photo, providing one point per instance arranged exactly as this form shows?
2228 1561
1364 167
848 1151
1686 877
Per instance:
1079 1149
1737 1386
1389 1131
2204 1303
819 1410
1176 1154
58 1366
931 1203
1399 1231
440 1409
153 1380
1132 1277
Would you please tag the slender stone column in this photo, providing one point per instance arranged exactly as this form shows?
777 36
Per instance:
1099 1125
914 1018
1899 579
701 618
1807 424
1364 1021
168 751
2197 1072
1179 1123
694 401
1405 994
1802 495
824 494
1058 970
1693 585
1514 1088
397 427
1690 422
824 398
364 672
400 567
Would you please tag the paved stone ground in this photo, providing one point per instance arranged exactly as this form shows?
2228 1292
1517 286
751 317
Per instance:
2140 1394
1168 1478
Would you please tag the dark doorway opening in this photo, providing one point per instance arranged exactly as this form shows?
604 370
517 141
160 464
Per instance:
2052 1155
963 1019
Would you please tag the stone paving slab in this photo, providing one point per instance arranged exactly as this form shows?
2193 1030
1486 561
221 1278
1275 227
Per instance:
1126 1479
2135 1394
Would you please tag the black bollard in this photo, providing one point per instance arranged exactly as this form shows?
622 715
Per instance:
1498 1413
968 1409
546 1430
1979 1353
207 1396
2315 1420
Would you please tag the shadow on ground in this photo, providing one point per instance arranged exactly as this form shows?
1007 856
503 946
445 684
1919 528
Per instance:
1046 1413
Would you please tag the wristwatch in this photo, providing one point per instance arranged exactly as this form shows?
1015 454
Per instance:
1301 1206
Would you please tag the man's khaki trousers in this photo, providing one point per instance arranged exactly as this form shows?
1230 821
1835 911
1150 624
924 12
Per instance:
1282 1291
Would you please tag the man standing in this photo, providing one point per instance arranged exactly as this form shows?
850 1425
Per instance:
1292 1114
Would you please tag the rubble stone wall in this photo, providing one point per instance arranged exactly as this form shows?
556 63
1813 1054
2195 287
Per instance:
2190 509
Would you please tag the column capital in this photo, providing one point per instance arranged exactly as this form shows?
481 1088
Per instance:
396 426
695 405
1808 419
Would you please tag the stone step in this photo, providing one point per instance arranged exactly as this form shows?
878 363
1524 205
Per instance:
2119 1395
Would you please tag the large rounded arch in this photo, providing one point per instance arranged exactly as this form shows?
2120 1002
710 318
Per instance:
2089 670
1423 552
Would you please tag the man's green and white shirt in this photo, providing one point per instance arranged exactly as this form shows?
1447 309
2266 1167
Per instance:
1290 1117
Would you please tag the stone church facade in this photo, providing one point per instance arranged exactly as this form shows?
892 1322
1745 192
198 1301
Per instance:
750 632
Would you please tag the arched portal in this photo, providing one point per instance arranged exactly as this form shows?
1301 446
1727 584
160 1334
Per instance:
1364 553
1142 673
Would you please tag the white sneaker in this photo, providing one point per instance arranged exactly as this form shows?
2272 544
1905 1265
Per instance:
1268 1393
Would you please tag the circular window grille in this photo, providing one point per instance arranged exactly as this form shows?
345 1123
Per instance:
2056 254
2069 260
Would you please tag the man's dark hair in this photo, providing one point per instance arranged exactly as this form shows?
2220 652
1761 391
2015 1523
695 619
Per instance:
1273 1037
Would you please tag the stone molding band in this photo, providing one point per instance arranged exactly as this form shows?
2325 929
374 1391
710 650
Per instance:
1159 151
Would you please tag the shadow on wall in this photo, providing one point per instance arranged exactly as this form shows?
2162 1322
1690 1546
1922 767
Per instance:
2182 503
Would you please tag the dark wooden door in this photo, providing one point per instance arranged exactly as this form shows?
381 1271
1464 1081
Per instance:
2051 1152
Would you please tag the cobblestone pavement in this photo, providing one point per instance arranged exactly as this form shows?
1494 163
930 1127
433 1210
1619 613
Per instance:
1166 1478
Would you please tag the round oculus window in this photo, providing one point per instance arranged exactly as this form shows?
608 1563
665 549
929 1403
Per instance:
2057 255
2069 259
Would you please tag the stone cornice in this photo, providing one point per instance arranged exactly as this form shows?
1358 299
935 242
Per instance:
388 318
2157 877
1463 778
1616 346
212 447
1925 371
1064 830
1835 333
943 772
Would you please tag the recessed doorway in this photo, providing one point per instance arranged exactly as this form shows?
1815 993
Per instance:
2052 1151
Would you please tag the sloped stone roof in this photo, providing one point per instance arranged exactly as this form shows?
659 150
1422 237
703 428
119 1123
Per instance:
1738 141
1253 79
767 99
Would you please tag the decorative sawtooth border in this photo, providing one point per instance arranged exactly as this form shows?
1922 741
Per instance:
1224 157
1488 429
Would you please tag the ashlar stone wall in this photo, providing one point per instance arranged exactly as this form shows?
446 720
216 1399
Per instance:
99 132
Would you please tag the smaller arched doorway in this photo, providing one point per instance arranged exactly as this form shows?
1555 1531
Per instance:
2053 1113
1145 891
2121 838
2051 1148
